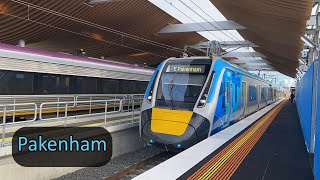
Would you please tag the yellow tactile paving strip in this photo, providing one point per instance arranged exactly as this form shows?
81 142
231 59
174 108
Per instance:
226 162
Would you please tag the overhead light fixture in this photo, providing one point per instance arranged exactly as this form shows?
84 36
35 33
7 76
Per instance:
138 54
93 2
4 8
97 36
308 42
302 61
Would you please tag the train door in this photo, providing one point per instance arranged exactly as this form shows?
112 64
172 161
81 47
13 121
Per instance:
243 99
228 101
259 96
267 96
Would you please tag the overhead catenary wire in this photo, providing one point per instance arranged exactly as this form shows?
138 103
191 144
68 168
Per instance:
210 18
171 3
209 21
190 18
214 21
186 5
120 33
81 34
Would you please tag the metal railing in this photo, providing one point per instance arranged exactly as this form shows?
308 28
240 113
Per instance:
39 99
4 117
66 106
128 103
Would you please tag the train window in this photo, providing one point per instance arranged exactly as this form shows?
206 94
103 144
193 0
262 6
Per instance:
181 83
53 84
62 84
222 95
127 87
228 92
109 86
12 82
141 87
84 85
132 85
252 93
19 76
25 83
205 93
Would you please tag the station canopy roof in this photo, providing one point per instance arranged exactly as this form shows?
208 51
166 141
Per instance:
121 30
275 26
127 30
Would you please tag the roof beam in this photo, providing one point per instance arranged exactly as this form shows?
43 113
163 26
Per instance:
93 2
243 54
234 44
252 64
310 31
258 69
202 26
260 66
248 61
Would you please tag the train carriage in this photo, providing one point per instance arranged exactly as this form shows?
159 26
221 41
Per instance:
190 99
36 76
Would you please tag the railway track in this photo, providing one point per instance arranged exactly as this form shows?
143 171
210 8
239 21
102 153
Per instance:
141 167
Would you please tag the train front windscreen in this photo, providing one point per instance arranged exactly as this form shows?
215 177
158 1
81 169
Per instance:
181 83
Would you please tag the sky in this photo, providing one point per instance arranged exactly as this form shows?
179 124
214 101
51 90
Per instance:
191 11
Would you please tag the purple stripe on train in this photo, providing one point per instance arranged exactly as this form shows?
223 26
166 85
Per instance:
67 56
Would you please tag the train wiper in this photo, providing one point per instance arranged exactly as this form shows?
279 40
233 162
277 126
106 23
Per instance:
171 89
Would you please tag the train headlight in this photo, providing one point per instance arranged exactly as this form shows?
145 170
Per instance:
149 99
202 103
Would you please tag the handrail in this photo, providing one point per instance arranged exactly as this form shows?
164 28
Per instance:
130 100
78 102
4 123
4 106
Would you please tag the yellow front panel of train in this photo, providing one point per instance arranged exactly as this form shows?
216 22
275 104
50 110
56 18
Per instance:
173 122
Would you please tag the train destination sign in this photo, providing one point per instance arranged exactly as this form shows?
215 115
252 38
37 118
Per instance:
186 68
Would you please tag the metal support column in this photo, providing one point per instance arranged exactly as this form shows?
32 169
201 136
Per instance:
314 106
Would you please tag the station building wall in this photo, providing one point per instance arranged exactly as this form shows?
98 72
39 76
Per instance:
304 91
304 100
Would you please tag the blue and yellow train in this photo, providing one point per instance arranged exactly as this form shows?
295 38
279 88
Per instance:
190 99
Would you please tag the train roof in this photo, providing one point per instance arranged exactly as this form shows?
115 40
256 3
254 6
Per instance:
72 57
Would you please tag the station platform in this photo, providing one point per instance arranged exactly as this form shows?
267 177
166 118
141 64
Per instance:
267 147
